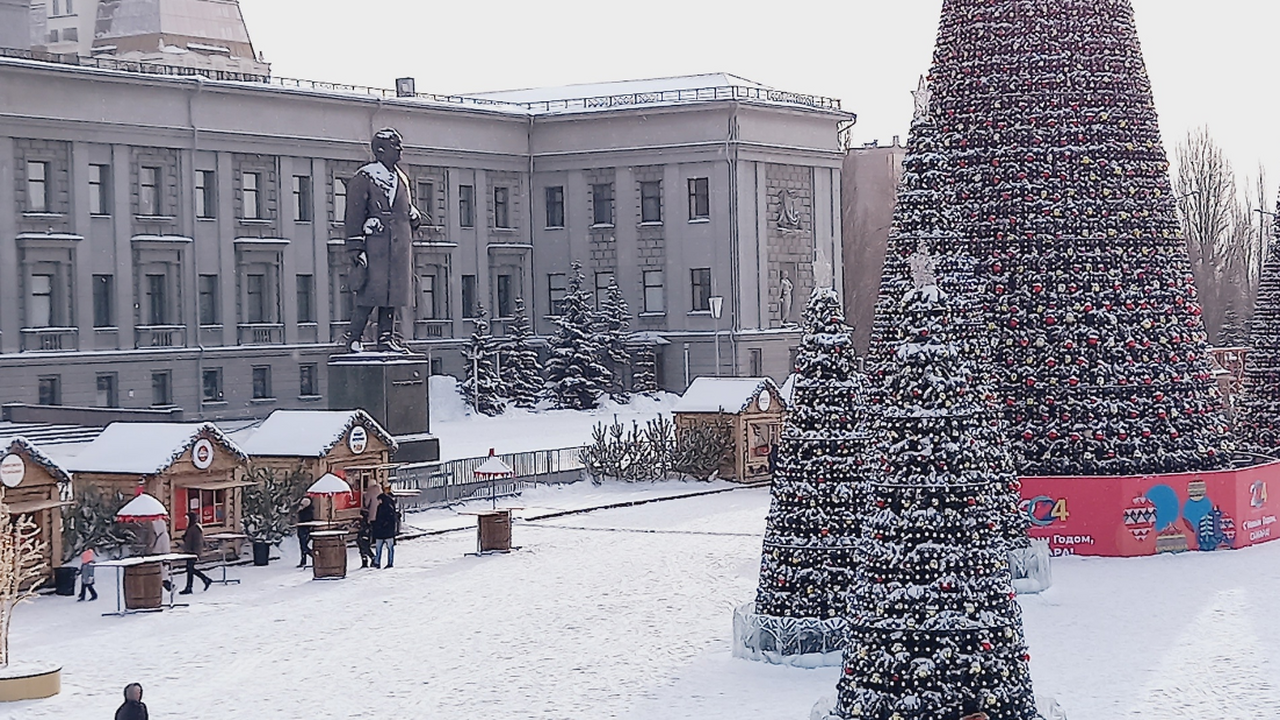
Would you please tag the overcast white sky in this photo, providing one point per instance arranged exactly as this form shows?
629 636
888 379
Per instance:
1211 62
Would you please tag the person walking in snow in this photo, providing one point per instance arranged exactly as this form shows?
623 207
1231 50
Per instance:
87 559
161 545
364 534
132 709
193 544
306 514
386 522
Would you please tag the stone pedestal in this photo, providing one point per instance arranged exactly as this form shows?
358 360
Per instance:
393 390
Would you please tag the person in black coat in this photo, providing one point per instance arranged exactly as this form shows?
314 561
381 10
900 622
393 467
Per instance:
386 521
132 709
306 514
193 544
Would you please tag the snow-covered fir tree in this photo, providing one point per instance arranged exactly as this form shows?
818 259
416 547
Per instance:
1257 407
935 632
613 321
1049 140
521 369
482 387
644 370
806 565
576 375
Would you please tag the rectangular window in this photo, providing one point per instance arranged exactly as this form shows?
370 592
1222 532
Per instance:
211 385
302 198
556 290
50 390
53 36
307 385
654 302
208 292
250 195
700 279
306 298
157 302
651 202
469 296
262 383
427 202
99 189
57 8
555 206
206 194
71 34
699 198
161 392
602 204
103 296
502 207
429 309
149 191
339 200
38 186
466 206
505 299
256 298
603 281
40 311
757 362
106 396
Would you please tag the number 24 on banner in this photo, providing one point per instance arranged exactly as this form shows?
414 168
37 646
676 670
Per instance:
1044 510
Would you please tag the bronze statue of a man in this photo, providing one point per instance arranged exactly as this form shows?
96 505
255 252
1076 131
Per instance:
379 229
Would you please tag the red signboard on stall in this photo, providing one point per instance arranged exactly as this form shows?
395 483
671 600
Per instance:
1146 515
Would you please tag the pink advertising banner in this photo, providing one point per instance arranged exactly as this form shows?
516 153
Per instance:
1147 515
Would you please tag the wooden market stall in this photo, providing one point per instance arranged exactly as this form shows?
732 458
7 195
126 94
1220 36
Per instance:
754 409
187 466
347 443
34 484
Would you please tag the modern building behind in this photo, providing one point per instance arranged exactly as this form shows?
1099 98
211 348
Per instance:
170 240
870 188
14 27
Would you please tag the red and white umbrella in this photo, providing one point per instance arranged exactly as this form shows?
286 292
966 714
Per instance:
494 468
329 484
142 508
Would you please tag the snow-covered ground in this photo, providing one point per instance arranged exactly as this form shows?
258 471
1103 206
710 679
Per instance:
625 614
464 435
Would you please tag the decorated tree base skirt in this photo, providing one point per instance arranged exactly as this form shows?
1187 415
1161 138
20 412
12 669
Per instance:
797 642
1133 516
1030 566
1046 707
29 681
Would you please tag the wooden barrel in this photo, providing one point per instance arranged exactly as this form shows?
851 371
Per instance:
495 531
329 554
143 589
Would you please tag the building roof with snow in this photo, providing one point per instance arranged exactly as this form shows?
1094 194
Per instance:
25 447
728 395
145 448
306 433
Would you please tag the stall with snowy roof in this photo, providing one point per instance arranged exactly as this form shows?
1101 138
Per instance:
347 443
36 485
754 408
190 467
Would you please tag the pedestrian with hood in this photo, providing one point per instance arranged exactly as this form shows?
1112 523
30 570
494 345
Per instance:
193 544
132 709
87 559
161 545
306 514
386 522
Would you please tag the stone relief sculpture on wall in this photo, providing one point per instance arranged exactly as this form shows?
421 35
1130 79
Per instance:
789 217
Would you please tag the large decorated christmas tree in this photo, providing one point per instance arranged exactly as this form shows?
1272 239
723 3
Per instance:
807 561
935 631
1049 147
1257 407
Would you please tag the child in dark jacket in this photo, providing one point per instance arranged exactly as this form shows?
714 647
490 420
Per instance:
87 559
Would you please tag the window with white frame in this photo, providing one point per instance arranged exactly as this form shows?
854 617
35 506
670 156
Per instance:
654 298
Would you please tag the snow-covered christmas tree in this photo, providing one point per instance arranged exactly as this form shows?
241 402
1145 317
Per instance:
935 632
1049 143
576 375
521 369
1257 407
613 321
806 566
482 387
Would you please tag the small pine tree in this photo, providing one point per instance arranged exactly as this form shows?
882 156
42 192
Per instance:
268 506
644 369
576 377
482 389
614 319
521 368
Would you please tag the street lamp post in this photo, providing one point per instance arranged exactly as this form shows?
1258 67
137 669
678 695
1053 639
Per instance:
717 306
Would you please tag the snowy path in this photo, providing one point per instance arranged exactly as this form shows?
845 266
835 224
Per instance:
625 614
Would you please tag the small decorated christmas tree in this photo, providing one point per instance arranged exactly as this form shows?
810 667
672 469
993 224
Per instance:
935 632
482 387
807 562
576 374
521 368
1257 407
